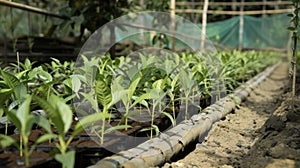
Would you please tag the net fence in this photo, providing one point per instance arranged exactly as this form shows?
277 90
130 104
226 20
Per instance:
256 33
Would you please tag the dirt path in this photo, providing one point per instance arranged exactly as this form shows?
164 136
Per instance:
261 133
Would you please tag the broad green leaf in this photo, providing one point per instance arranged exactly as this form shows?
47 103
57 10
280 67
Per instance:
145 96
5 95
67 160
14 119
50 107
27 64
89 97
45 137
133 87
174 82
20 91
39 73
103 92
19 75
76 83
23 114
186 81
6 141
43 122
118 92
10 80
21 117
117 96
29 123
64 112
1 112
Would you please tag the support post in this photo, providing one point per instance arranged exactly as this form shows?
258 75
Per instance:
173 24
264 8
241 28
204 21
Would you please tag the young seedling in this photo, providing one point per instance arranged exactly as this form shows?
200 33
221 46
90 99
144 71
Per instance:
24 121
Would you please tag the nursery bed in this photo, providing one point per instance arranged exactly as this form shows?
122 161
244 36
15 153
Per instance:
165 148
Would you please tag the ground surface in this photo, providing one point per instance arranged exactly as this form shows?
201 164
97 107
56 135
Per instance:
263 132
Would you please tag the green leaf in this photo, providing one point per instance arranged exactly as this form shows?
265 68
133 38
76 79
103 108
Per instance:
5 95
43 122
14 104
170 117
64 112
133 87
14 119
39 73
20 91
88 121
118 127
144 96
19 75
156 129
44 138
29 123
10 80
50 107
27 64
6 141
103 92
67 160
76 83
1 112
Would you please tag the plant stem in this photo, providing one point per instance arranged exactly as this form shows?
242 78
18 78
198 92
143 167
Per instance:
63 147
126 115
173 109
26 153
21 146
186 106
6 126
152 120
102 130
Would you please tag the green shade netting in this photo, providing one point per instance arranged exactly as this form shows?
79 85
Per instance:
260 33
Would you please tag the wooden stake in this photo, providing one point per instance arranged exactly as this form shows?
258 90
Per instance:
173 24
204 20
241 28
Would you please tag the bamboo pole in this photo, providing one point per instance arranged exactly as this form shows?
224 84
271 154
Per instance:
31 9
241 28
264 8
204 20
172 7
254 12
235 3
158 30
